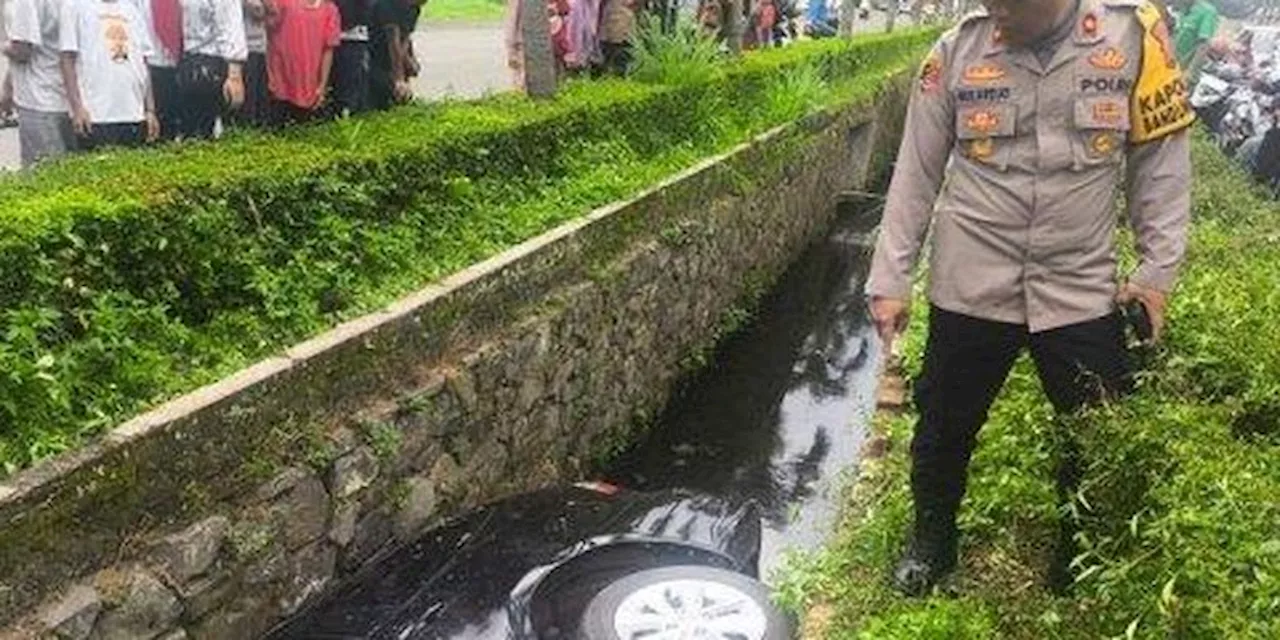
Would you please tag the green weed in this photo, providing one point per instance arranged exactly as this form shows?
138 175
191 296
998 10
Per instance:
1177 511
683 55
383 437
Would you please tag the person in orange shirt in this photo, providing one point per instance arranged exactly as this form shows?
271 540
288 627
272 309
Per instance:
301 37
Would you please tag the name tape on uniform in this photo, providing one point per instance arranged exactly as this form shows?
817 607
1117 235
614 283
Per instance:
985 94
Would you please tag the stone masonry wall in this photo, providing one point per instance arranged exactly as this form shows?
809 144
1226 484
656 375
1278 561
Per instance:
221 513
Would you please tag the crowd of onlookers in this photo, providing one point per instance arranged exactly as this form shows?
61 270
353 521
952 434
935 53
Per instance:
587 36
89 73
1236 85
598 36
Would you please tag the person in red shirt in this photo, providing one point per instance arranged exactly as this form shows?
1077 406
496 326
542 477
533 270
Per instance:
301 37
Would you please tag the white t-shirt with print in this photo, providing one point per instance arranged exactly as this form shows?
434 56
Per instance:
111 41
37 83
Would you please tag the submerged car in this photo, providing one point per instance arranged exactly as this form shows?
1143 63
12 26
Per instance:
589 562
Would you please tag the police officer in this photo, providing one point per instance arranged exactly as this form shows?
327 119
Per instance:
1023 117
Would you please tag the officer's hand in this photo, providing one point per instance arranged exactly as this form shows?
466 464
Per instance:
1153 300
891 316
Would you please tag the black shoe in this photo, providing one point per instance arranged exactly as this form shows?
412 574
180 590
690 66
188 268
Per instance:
1061 575
927 561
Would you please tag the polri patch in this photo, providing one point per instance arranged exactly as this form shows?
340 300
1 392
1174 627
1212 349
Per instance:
1104 84
931 74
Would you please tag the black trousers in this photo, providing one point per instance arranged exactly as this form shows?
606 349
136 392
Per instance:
164 84
966 362
115 134
350 83
256 110
381 89
200 97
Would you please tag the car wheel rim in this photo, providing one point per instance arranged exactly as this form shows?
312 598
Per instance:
688 610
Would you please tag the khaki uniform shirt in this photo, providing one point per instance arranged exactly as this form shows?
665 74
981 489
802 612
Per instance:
1016 165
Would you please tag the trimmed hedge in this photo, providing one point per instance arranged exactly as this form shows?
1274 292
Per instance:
131 277
1179 510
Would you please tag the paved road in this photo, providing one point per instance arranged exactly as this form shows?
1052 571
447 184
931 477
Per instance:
460 61
457 61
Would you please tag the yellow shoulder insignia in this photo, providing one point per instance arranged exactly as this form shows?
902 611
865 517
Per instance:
1159 103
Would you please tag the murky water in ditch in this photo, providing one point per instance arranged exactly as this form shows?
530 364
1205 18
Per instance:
782 412
779 417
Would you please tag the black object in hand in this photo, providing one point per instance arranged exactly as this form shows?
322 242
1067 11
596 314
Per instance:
1137 320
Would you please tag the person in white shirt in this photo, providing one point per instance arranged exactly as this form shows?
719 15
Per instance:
44 128
210 71
105 46
198 66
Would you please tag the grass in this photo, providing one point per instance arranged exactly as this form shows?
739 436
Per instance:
1177 510
464 11
133 277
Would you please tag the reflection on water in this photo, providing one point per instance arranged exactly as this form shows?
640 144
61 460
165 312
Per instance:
783 409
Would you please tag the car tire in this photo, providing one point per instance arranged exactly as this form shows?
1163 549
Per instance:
648 604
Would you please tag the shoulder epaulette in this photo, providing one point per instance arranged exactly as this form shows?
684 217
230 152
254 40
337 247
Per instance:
978 15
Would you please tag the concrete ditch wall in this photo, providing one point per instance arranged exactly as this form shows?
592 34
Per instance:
222 512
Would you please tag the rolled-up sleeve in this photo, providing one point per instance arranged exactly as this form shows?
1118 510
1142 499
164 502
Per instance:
927 141
231 38
1159 195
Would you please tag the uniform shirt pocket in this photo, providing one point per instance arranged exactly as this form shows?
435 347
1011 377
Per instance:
985 132
1101 130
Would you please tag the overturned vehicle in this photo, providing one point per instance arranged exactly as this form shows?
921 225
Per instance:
590 561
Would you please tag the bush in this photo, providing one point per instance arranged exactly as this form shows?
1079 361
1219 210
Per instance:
130 277
1178 508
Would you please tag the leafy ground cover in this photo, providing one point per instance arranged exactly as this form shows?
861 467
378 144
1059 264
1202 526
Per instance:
1179 510
131 277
